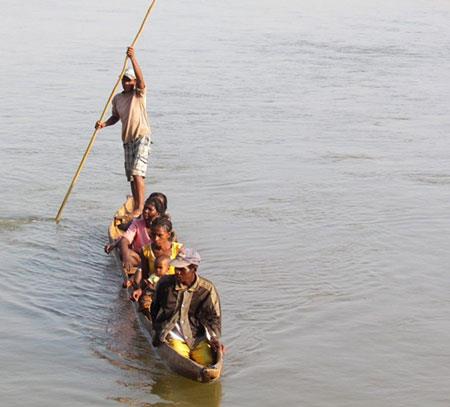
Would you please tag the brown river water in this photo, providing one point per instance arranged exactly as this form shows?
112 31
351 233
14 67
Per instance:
304 148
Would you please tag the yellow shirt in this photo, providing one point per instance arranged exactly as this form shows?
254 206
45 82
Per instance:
148 253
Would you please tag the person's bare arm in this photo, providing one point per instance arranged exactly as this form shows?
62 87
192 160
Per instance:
124 249
111 121
110 246
137 278
140 83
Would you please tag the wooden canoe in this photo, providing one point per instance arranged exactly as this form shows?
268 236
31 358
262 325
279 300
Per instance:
173 360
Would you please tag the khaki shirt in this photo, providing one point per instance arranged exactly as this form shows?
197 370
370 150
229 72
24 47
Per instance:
195 309
131 109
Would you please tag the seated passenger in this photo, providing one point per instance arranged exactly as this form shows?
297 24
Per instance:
144 293
186 311
162 198
162 244
162 265
137 236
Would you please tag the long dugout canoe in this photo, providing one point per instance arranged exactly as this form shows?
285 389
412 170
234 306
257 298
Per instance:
173 360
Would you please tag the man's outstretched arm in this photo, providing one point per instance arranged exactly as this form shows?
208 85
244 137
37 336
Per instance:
140 83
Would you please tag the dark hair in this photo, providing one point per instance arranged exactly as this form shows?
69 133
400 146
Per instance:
157 204
160 196
161 258
165 223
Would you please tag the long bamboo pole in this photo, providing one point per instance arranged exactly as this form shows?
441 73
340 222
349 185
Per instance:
94 134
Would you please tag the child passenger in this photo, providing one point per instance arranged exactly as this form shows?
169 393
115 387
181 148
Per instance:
162 265
144 293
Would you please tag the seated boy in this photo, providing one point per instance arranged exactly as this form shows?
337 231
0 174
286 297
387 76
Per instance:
146 287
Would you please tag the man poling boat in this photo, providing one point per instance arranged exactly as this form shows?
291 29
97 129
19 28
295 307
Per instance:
94 134
130 107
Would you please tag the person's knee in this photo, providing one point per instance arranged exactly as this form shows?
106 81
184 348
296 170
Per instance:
135 258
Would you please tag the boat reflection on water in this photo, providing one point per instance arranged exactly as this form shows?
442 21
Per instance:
170 390
184 392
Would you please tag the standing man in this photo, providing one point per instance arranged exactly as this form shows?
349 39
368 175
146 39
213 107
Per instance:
186 311
130 107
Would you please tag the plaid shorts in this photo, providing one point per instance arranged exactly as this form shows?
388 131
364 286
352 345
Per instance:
136 157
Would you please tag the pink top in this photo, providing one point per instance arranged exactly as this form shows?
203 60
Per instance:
137 234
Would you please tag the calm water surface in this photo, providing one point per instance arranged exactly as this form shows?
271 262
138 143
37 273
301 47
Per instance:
304 149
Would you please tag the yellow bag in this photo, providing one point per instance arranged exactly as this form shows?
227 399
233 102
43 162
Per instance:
201 354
